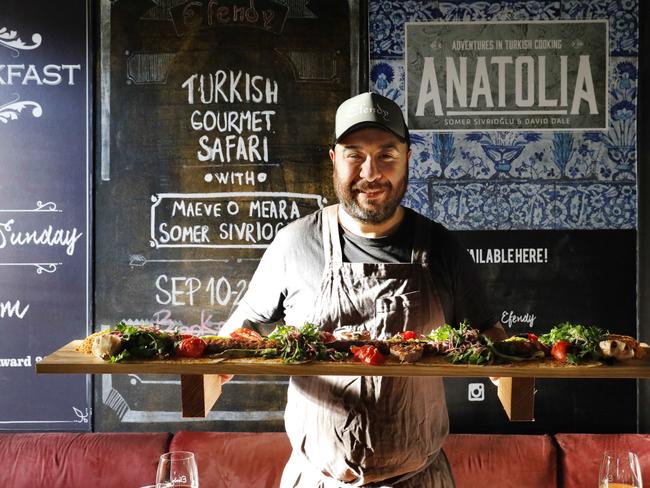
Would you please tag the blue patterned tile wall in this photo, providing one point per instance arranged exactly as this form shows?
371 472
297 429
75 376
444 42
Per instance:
519 180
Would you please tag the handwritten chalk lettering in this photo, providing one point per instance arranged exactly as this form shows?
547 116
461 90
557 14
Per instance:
189 208
232 121
186 234
46 237
510 319
274 209
510 256
30 74
251 232
526 73
239 14
180 286
232 147
230 87
25 362
220 220
268 209
222 292
10 310
235 177
200 14
206 326
179 291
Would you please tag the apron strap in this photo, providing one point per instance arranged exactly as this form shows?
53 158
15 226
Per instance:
331 238
421 241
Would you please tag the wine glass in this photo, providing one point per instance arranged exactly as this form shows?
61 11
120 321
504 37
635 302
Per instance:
620 469
177 469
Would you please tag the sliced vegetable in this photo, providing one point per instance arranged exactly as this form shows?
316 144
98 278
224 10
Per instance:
560 350
190 347
407 335
368 354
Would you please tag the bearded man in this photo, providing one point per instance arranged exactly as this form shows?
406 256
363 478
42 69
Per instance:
371 267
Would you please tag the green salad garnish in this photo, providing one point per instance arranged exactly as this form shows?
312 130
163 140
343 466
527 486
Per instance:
299 344
583 339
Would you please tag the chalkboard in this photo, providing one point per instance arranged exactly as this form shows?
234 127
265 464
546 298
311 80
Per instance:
45 277
215 125
538 279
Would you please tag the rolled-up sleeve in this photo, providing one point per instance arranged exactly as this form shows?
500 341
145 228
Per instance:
263 301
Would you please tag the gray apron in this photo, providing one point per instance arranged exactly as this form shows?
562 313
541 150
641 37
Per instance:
369 430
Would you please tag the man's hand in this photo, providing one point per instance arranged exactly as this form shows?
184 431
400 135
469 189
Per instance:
225 378
495 333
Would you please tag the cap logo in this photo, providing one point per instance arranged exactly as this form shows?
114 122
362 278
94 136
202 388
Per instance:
365 109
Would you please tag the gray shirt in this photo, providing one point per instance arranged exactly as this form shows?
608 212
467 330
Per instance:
287 281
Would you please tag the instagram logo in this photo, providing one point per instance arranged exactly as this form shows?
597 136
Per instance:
476 392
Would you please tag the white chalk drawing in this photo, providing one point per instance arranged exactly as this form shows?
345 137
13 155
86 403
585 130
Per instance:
140 260
297 9
11 110
145 68
82 415
114 400
161 10
135 380
40 267
11 40
230 200
40 207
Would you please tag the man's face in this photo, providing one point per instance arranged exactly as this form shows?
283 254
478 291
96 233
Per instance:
370 174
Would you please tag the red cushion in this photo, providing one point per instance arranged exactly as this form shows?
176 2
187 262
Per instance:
580 455
236 460
100 460
502 460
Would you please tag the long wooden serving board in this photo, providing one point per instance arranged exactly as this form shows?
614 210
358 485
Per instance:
68 360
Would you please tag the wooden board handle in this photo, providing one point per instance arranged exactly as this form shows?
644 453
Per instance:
517 396
199 392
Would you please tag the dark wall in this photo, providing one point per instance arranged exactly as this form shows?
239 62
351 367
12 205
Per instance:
262 97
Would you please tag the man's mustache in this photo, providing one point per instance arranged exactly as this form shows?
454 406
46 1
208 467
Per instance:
364 186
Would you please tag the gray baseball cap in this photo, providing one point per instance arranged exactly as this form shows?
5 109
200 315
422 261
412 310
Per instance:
369 110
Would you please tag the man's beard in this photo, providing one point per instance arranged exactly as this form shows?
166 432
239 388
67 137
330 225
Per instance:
369 212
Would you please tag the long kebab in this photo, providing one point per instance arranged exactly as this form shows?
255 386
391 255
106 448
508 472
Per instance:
565 343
